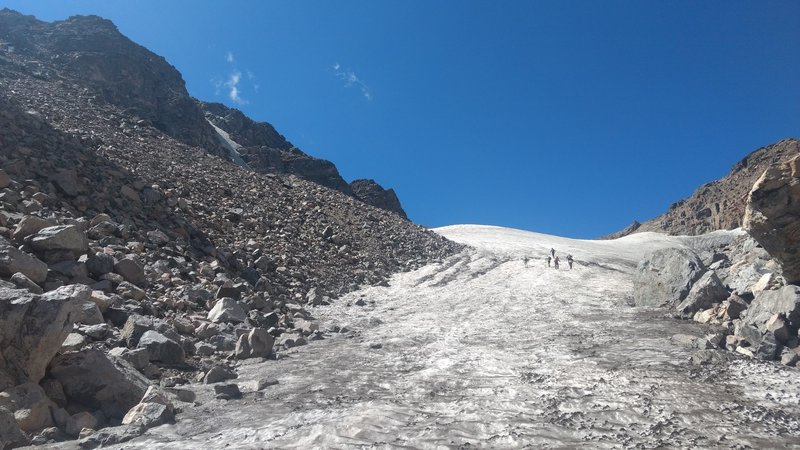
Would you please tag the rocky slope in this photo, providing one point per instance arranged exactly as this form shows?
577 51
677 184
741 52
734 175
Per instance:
134 256
719 205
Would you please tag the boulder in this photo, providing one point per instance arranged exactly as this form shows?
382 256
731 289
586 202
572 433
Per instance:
772 215
139 358
5 180
784 301
227 391
32 329
665 277
704 293
13 260
98 381
732 308
130 291
219 373
23 282
100 264
10 434
154 409
161 348
29 225
255 344
59 238
134 328
131 271
30 405
227 310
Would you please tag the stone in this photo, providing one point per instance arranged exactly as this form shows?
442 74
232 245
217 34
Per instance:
54 391
13 260
206 330
732 308
32 329
139 358
767 281
79 421
29 225
785 301
255 344
772 216
98 381
110 436
23 282
134 328
203 349
704 357
706 291
161 348
131 271
67 238
30 405
100 264
10 434
227 310
130 291
153 410
5 180
89 313
102 301
227 391
790 358
665 277
74 342
705 316
779 328
219 373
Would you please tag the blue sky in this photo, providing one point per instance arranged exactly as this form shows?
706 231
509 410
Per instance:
564 117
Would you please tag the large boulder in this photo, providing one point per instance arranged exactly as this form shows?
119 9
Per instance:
154 409
772 215
32 329
131 271
784 302
162 348
10 434
92 378
227 310
28 226
13 260
255 344
59 238
704 293
30 405
665 277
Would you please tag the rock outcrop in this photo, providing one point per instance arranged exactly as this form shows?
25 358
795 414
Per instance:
720 204
372 193
773 215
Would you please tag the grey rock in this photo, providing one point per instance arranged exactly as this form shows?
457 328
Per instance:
13 260
134 328
255 344
227 391
29 225
67 238
219 373
665 277
79 421
32 329
23 282
704 293
10 434
227 310
100 264
784 301
161 348
98 381
130 291
131 271
30 405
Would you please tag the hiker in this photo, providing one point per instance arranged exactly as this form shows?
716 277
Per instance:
525 260
555 262
553 252
569 261
548 261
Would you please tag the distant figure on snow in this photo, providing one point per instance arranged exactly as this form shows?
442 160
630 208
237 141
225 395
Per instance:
569 261
525 260
555 262
553 252
548 261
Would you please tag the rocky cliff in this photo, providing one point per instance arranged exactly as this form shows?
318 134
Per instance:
720 204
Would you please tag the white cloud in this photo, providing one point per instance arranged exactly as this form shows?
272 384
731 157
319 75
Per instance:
232 85
229 57
351 80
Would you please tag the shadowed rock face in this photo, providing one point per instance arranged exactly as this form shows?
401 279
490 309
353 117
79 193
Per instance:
372 193
720 204
117 70
773 215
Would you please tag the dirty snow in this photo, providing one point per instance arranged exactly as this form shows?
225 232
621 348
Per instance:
480 351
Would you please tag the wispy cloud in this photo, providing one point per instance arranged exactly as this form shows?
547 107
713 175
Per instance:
352 80
233 82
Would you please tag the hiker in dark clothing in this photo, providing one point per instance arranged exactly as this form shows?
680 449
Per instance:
553 252
569 261
555 262
525 260
548 261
